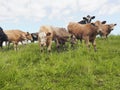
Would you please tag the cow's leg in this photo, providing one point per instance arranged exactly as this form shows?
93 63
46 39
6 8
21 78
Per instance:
86 38
49 44
107 37
22 42
81 40
8 44
1 43
94 45
39 43
63 45
15 45
57 44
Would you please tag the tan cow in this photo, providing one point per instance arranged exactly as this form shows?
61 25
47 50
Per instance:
49 33
106 29
16 36
86 32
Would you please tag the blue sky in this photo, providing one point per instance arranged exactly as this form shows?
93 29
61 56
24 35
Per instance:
29 15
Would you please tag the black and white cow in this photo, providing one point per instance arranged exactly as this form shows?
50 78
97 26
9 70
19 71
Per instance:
34 36
3 37
87 19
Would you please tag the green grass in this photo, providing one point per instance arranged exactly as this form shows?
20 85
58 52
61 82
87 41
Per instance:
73 69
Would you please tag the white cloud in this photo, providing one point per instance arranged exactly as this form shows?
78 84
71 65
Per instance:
22 8
38 9
91 5
109 9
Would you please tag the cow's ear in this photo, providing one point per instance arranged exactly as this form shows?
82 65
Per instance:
28 33
92 17
48 34
93 24
103 22
115 24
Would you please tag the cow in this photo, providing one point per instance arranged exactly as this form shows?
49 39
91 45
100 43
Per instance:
87 19
16 36
3 37
62 36
106 29
34 36
86 32
59 35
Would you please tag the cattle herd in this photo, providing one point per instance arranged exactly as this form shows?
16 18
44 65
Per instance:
82 30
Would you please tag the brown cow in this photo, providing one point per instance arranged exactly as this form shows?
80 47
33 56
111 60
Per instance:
106 29
49 33
16 36
86 32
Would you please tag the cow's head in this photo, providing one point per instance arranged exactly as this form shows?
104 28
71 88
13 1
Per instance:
88 19
34 36
111 26
28 36
107 30
43 38
99 26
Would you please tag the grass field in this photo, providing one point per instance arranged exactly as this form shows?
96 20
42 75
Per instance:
72 69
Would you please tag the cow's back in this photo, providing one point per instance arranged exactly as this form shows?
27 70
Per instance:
77 29
12 35
20 33
15 35
60 32
45 29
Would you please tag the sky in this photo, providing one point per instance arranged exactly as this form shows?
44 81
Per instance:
29 15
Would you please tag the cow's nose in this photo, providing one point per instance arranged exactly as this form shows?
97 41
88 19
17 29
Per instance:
99 31
42 45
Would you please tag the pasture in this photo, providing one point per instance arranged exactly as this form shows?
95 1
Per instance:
72 69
